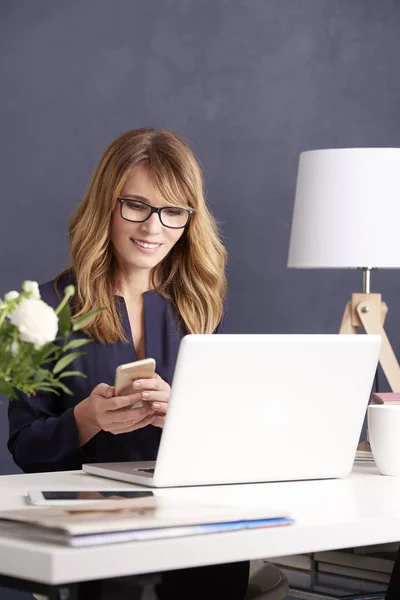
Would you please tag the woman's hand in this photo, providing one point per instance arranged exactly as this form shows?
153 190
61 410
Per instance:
102 410
155 392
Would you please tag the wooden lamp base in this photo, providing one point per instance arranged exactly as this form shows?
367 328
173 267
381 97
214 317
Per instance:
368 311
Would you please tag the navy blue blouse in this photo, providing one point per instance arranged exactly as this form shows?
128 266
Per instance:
42 431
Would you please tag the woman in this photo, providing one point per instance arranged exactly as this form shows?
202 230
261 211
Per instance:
145 248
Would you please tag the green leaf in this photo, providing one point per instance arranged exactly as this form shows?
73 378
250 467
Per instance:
50 359
39 375
66 360
6 388
79 323
45 388
76 344
64 388
65 320
72 374
46 350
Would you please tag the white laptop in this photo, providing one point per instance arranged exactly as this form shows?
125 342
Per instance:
259 408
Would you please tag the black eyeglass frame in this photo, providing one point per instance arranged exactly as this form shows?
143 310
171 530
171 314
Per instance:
154 209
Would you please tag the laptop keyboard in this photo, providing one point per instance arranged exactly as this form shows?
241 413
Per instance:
146 470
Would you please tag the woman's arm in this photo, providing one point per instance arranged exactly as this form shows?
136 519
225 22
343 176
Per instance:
85 423
42 439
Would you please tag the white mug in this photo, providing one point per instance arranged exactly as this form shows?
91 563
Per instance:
384 437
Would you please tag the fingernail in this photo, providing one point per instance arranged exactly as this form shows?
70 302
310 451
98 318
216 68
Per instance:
145 394
155 405
136 384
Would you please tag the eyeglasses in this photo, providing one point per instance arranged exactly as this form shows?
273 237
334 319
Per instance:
138 211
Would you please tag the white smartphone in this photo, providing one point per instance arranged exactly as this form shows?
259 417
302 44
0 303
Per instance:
126 374
68 497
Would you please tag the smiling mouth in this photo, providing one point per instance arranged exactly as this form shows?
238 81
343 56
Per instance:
145 245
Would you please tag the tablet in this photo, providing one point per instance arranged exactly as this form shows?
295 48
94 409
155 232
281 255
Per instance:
46 498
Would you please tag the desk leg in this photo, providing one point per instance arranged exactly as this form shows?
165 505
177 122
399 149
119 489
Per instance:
393 591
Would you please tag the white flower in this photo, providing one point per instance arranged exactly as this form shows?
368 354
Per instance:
36 321
32 288
10 296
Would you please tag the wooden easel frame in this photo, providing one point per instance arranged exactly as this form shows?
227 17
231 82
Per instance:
368 311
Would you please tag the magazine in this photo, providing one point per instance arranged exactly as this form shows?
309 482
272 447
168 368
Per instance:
122 520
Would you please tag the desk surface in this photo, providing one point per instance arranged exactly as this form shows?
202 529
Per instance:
362 509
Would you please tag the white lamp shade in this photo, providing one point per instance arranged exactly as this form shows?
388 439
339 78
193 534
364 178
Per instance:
347 209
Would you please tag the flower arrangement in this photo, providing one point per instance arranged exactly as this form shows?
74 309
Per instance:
32 357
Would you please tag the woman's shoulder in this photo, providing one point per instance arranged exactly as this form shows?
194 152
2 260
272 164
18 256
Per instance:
52 291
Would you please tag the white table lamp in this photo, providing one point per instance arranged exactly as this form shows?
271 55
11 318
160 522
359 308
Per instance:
347 216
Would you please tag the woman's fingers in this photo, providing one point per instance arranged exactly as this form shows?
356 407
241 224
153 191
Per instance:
130 415
160 407
134 425
118 402
156 392
150 397
154 389
152 384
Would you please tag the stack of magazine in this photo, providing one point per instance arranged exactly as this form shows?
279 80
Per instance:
123 520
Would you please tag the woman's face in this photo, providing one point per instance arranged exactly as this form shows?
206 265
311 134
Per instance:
128 237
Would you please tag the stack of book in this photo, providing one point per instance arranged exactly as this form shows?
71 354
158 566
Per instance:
373 564
315 585
349 573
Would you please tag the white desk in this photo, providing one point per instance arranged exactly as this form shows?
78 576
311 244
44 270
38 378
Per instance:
359 510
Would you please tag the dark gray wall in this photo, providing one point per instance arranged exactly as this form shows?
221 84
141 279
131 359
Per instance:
248 83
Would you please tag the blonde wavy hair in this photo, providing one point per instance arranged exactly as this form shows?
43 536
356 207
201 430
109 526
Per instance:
192 276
